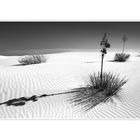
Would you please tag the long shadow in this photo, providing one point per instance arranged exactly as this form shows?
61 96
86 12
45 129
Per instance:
112 61
18 65
22 65
25 64
89 62
22 100
116 61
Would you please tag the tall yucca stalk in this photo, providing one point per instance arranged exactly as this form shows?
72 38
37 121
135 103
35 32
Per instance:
124 39
104 44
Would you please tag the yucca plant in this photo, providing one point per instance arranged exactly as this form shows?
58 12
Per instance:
122 57
101 86
32 59
93 93
119 57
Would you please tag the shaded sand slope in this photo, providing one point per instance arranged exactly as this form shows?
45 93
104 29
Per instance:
61 73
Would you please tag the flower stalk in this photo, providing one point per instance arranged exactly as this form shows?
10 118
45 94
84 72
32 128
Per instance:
104 44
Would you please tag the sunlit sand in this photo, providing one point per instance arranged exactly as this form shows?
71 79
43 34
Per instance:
61 73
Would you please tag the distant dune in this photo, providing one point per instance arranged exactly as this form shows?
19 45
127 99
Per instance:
61 73
51 51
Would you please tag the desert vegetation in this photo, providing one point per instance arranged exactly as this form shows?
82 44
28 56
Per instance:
122 57
119 57
94 93
32 59
101 86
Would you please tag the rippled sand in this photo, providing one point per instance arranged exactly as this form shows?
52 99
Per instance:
61 73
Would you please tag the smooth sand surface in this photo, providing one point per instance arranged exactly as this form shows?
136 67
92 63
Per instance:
61 73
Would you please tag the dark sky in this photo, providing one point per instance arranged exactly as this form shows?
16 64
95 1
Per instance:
20 36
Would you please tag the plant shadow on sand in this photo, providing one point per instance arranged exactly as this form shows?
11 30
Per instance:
23 100
116 61
90 62
18 65
20 101
23 65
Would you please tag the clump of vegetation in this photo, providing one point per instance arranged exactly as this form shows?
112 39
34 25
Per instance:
119 57
101 86
122 57
94 93
32 59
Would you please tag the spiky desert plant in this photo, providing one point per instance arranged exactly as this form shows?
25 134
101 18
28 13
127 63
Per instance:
104 44
94 93
32 59
119 57
122 57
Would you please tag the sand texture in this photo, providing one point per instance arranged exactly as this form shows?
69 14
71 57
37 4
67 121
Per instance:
61 73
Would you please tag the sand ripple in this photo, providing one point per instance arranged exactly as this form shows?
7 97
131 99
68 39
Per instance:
54 77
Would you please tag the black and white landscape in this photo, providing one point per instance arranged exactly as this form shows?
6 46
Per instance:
69 70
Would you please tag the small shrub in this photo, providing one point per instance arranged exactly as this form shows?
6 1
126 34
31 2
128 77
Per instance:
32 59
121 57
94 93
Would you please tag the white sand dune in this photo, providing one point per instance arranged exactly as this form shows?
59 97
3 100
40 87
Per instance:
61 73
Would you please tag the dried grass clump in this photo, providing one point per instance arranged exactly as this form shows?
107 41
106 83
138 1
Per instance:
32 59
94 93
